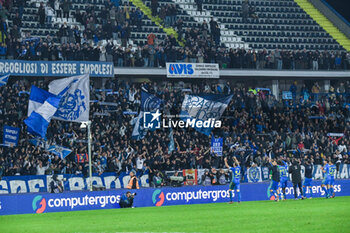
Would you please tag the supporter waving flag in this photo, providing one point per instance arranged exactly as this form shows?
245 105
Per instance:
4 79
203 108
74 105
37 98
61 151
42 107
149 104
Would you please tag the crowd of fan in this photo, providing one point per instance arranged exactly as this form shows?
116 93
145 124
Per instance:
255 127
115 22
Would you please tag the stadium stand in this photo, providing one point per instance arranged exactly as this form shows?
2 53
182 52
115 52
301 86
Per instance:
325 23
150 33
272 24
255 126
279 24
30 21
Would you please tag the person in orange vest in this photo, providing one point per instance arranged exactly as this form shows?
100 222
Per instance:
133 182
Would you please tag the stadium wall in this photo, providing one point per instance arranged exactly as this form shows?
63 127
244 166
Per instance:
74 201
108 180
39 183
56 68
107 70
235 73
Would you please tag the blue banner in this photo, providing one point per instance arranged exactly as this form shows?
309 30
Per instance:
84 200
56 68
258 174
27 184
31 184
10 135
216 146
262 173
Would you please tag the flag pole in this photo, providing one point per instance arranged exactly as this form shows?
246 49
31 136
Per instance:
89 153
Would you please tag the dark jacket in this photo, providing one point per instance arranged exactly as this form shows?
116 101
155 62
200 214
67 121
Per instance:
295 170
275 172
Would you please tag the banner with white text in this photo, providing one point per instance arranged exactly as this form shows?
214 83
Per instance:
146 197
56 68
192 70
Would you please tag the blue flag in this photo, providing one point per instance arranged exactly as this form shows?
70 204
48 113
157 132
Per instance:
61 151
38 142
40 117
37 98
204 107
149 104
4 79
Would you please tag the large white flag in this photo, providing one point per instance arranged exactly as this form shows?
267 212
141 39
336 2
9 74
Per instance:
74 105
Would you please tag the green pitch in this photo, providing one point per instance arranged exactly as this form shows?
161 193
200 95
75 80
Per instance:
316 215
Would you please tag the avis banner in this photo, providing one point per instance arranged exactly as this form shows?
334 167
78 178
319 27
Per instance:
192 70
85 200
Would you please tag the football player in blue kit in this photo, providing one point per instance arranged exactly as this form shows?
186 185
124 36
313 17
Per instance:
236 179
308 177
283 178
330 172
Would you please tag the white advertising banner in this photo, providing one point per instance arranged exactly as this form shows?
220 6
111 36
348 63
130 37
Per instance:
192 70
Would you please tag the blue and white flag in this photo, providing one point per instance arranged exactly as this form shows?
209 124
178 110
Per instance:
254 174
61 151
138 132
204 107
39 119
149 103
171 145
38 142
287 95
4 79
37 98
10 135
75 93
